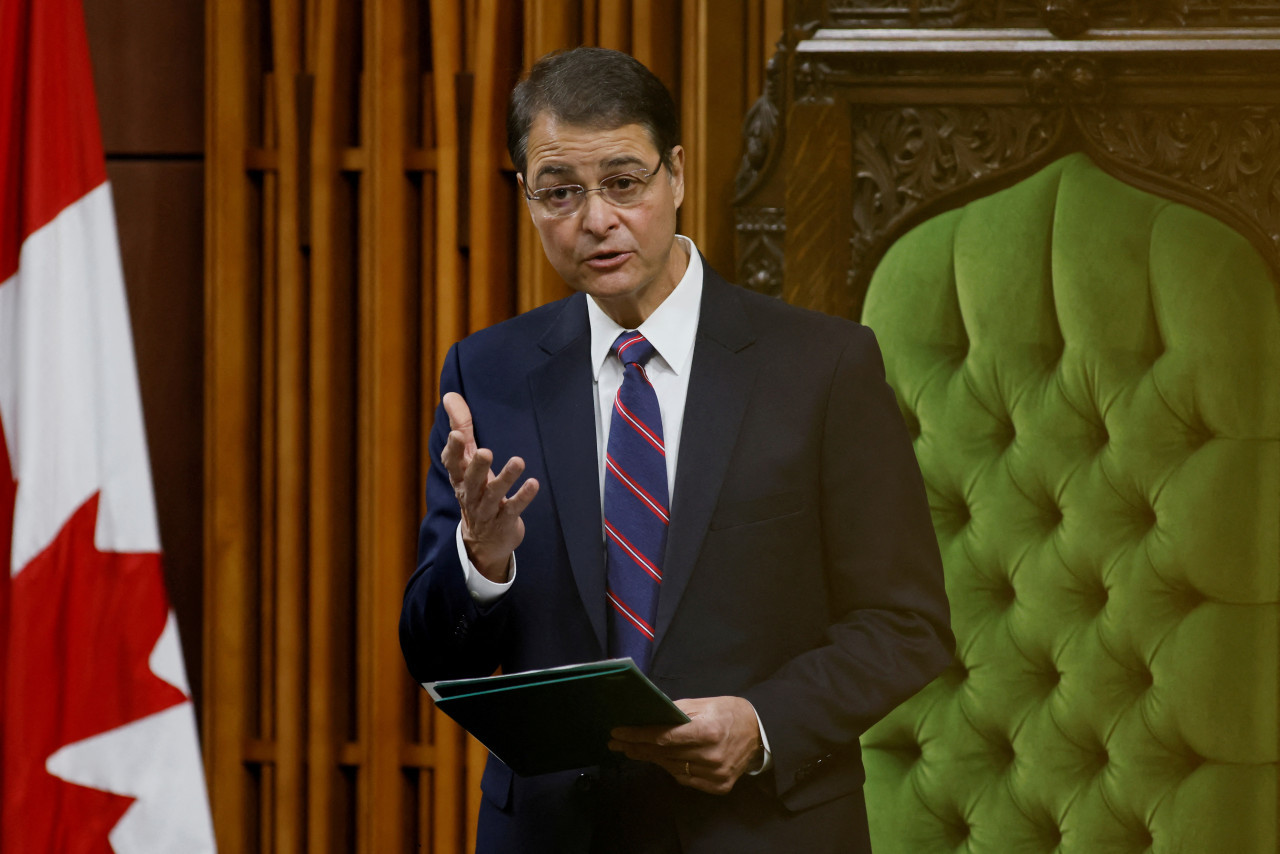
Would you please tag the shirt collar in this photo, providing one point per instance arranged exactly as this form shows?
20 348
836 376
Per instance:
671 328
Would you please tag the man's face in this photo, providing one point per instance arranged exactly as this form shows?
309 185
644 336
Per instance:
624 257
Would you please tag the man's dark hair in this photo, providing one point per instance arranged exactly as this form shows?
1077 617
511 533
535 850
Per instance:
592 87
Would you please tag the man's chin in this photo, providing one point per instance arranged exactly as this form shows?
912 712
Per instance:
611 285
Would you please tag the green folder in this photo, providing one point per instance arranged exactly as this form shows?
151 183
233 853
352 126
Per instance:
552 720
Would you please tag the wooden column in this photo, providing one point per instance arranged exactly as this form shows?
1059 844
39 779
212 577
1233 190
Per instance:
333 760
493 190
441 807
390 418
232 280
549 25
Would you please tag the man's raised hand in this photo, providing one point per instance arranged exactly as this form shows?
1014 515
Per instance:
491 523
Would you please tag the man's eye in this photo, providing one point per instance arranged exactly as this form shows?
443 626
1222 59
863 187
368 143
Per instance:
624 182
558 194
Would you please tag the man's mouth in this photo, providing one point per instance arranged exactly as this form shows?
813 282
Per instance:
607 260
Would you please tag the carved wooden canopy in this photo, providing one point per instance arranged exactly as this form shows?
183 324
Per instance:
881 113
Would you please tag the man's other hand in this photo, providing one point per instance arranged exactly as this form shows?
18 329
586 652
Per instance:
491 523
710 753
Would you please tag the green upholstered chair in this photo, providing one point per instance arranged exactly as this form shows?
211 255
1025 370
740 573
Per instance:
1092 375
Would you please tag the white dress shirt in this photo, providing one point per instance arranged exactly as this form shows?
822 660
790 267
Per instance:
672 329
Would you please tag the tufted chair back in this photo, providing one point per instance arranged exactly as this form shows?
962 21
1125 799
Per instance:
1092 374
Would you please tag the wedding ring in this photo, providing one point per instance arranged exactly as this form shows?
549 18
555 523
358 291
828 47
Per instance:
686 768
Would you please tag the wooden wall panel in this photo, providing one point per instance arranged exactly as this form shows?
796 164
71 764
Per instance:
232 275
362 216
332 611
819 227
148 70
148 67
493 187
159 210
440 814
714 102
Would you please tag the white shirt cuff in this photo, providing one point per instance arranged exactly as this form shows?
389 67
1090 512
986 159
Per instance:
484 591
767 762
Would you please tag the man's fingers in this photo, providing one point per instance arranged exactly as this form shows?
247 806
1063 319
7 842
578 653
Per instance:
460 417
454 457
662 755
498 487
709 753
515 504
459 449
481 494
475 477
663 736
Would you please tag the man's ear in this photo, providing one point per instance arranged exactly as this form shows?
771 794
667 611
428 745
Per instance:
677 174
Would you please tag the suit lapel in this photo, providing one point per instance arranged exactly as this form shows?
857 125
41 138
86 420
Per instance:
720 382
564 406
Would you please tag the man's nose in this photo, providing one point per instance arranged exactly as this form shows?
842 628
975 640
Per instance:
598 215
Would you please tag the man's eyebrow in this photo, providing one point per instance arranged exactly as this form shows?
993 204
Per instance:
552 169
616 163
611 166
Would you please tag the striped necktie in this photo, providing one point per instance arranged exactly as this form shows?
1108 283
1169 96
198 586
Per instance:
635 505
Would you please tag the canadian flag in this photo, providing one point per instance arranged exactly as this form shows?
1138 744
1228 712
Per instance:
98 746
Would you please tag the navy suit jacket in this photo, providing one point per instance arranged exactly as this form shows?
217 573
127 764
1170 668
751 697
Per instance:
801 569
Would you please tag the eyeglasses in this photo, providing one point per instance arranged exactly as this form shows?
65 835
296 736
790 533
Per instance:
622 191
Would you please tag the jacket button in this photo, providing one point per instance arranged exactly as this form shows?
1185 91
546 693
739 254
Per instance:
585 783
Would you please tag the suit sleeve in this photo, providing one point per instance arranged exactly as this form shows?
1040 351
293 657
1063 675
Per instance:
890 633
444 632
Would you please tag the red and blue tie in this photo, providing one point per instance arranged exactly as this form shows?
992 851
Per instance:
635 505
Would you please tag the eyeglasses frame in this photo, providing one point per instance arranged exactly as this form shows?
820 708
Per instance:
582 191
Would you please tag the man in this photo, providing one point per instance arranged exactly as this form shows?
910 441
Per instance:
717 484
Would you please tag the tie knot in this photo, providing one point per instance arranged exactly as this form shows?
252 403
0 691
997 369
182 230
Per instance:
632 347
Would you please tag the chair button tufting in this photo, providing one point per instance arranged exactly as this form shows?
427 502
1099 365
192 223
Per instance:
1005 593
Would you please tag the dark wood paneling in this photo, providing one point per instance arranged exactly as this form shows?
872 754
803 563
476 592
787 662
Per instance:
148 62
148 67
161 222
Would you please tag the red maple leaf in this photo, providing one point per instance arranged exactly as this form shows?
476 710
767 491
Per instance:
80 625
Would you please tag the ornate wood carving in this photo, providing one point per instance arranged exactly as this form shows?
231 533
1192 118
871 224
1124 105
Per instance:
812 83
760 249
930 122
1064 18
908 161
762 130
1057 80
1225 159
905 158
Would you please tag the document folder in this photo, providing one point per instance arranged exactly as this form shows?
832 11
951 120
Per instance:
552 720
